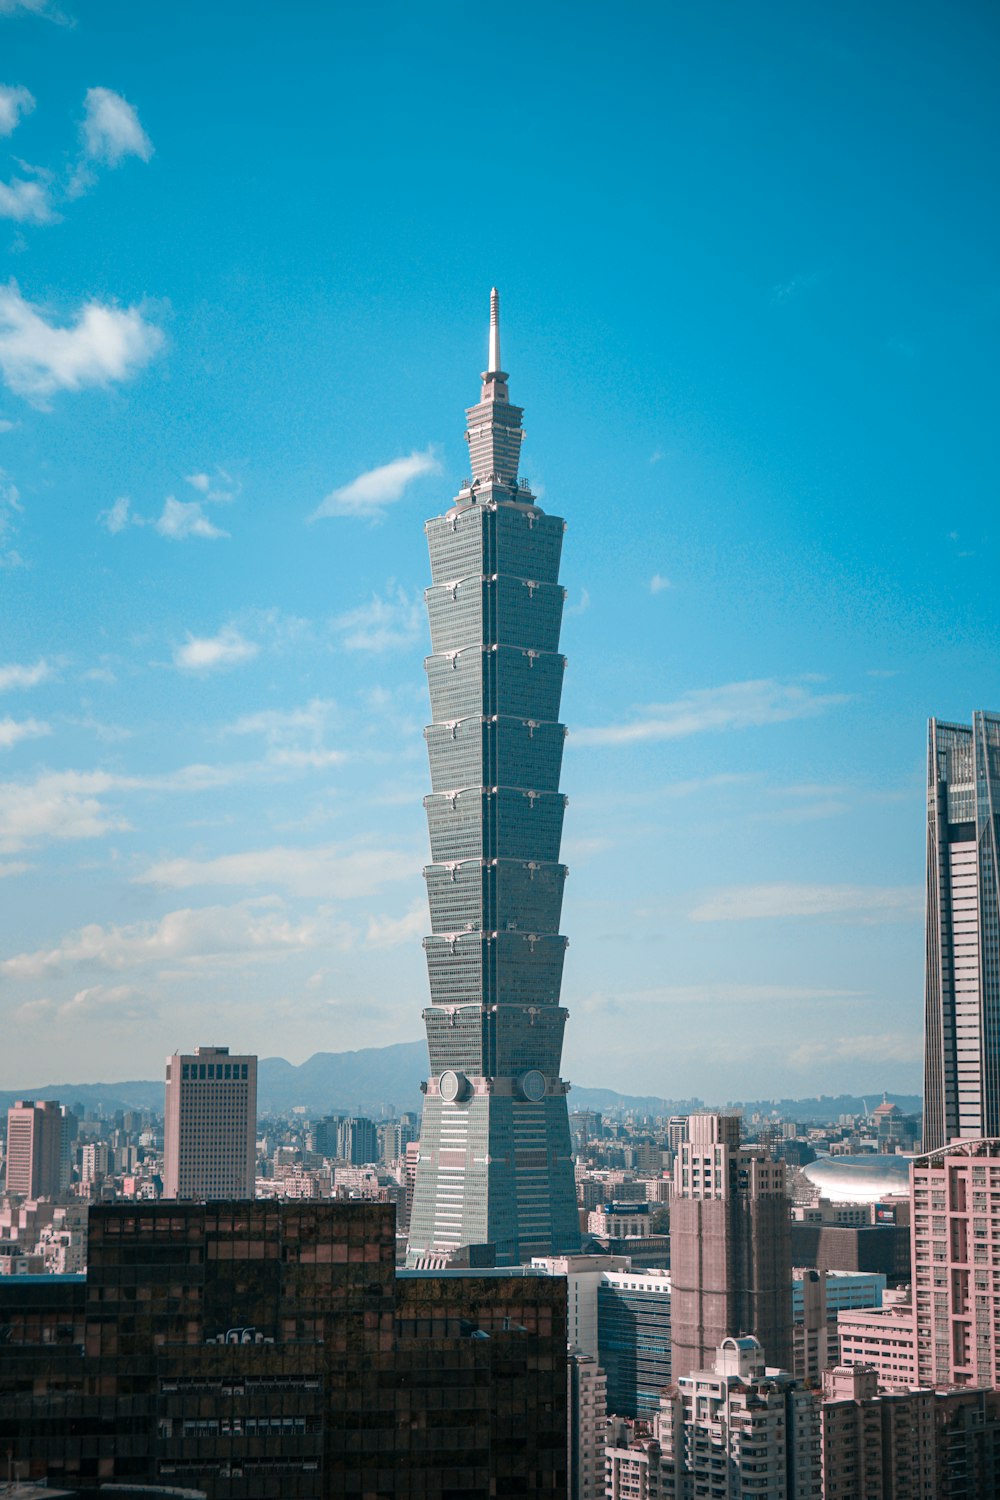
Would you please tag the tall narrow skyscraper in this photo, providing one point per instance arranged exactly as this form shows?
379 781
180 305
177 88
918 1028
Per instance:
962 991
494 1167
730 1247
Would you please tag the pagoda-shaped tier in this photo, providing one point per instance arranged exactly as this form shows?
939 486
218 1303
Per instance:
494 1168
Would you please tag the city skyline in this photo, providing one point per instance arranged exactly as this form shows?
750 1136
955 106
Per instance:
234 328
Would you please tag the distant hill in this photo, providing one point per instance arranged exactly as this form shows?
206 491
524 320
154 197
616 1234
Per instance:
381 1080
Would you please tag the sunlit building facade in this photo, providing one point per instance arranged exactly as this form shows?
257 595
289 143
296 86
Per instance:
494 1168
962 994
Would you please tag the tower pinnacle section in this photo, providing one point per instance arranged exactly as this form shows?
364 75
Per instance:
494 1168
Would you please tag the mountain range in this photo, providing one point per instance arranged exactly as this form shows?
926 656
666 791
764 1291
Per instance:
381 1081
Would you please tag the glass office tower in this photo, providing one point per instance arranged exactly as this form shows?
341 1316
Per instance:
962 994
494 1175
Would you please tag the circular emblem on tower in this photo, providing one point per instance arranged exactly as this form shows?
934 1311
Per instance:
454 1086
533 1085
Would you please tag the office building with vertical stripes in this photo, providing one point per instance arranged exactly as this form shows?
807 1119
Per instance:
962 991
494 1176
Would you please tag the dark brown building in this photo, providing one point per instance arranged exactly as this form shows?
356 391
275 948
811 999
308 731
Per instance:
270 1349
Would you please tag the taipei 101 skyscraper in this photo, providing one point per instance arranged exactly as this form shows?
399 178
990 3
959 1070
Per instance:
494 1174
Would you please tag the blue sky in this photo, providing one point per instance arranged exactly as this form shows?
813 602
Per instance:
747 258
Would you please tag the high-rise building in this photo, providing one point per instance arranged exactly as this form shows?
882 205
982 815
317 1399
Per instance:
495 1168
36 1156
736 1430
271 1349
357 1141
962 990
587 1415
920 1444
210 1126
730 1247
633 1339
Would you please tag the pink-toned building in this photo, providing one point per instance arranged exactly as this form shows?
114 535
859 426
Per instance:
949 1332
730 1246
210 1129
35 1148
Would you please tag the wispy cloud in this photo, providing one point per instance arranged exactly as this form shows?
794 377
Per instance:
287 726
110 133
10 510
111 129
58 805
213 653
723 993
864 904
28 200
902 1046
179 519
118 516
118 1002
42 8
331 872
219 488
384 623
736 705
17 676
370 493
795 286
101 345
582 604
12 731
15 103
239 935
185 518
392 932
658 584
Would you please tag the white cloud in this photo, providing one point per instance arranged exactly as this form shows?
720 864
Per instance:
118 516
184 518
859 903
332 872
583 604
370 492
736 705
383 624
391 932
102 344
658 584
34 1011
10 509
15 103
57 805
723 993
220 488
43 8
17 676
903 1046
245 934
12 867
27 200
280 726
210 653
111 129
121 1002
14 730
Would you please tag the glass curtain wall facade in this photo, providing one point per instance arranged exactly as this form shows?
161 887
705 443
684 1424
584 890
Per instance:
494 1167
962 993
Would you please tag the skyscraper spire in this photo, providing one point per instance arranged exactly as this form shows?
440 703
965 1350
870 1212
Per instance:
494 1173
494 366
